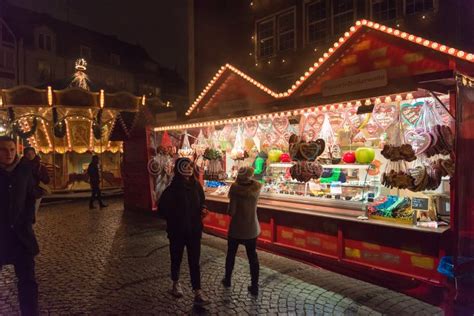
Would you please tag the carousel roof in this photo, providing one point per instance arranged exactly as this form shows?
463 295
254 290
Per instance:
366 46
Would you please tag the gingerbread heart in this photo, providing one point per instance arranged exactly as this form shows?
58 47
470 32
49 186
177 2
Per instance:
322 145
411 113
265 124
420 141
337 119
357 121
384 114
250 128
314 121
309 151
280 124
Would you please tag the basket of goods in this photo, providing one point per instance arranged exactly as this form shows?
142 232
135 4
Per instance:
213 168
392 208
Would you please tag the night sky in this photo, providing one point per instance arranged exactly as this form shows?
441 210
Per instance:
159 26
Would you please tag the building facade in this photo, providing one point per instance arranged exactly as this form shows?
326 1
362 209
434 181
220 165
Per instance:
38 50
278 39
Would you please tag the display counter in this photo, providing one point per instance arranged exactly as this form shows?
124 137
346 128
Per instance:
334 237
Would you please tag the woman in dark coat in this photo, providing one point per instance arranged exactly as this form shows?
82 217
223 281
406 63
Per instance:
182 205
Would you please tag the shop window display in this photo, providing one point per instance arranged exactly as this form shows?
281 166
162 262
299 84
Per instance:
373 165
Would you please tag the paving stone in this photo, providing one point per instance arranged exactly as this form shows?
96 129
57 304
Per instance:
114 262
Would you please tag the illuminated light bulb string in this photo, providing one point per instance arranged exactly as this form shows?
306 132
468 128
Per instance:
320 109
353 29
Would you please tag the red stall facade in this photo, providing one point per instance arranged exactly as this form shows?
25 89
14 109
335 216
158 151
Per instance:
376 87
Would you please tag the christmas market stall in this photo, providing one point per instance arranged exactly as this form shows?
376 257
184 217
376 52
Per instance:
357 158
67 126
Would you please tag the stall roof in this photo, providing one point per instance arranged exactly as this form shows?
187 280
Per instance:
233 87
365 47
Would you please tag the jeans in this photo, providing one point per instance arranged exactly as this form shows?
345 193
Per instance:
251 248
193 248
24 265
95 195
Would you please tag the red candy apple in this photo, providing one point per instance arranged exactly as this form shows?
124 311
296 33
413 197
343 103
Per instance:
349 157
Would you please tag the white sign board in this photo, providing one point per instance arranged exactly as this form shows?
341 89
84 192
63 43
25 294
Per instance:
363 81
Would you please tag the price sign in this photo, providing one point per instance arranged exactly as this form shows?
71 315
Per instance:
336 188
420 204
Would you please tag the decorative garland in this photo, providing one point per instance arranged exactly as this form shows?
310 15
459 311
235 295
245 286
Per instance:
97 125
25 134
60 127
124 126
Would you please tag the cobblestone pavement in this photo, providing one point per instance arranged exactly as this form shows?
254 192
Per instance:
114 262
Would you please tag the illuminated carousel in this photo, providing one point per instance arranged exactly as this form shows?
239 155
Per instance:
68 126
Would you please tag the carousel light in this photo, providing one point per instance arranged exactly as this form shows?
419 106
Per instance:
398 97
101 98
388 99
470 57
409 96
68 135
143 100
368 102
50 96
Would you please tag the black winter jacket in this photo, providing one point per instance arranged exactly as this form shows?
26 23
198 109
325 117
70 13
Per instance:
181 204
17 209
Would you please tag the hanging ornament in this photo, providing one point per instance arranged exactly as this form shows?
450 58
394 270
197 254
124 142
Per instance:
385 114
80 78
200 144
186 150
238 152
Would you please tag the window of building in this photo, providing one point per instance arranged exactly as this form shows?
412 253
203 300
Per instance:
85 52
316 15
45 42
418 6
286 31
44 71
115 59
343 15
266 38
384 10
6 37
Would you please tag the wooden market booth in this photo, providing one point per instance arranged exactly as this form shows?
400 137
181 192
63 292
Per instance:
371 75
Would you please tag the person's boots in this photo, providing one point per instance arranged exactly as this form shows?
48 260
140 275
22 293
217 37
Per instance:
200 298
176 290
102 205
226 282
91 205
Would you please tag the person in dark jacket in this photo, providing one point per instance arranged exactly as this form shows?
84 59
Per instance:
244 227
40 173
94 179
182 205
18 244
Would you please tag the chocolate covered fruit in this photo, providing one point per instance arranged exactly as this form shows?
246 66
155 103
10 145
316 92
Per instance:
364 155
349 157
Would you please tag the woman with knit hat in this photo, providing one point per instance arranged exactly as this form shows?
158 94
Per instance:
182 205
244 227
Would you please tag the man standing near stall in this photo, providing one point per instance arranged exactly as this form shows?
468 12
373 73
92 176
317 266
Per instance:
94 179
18 245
